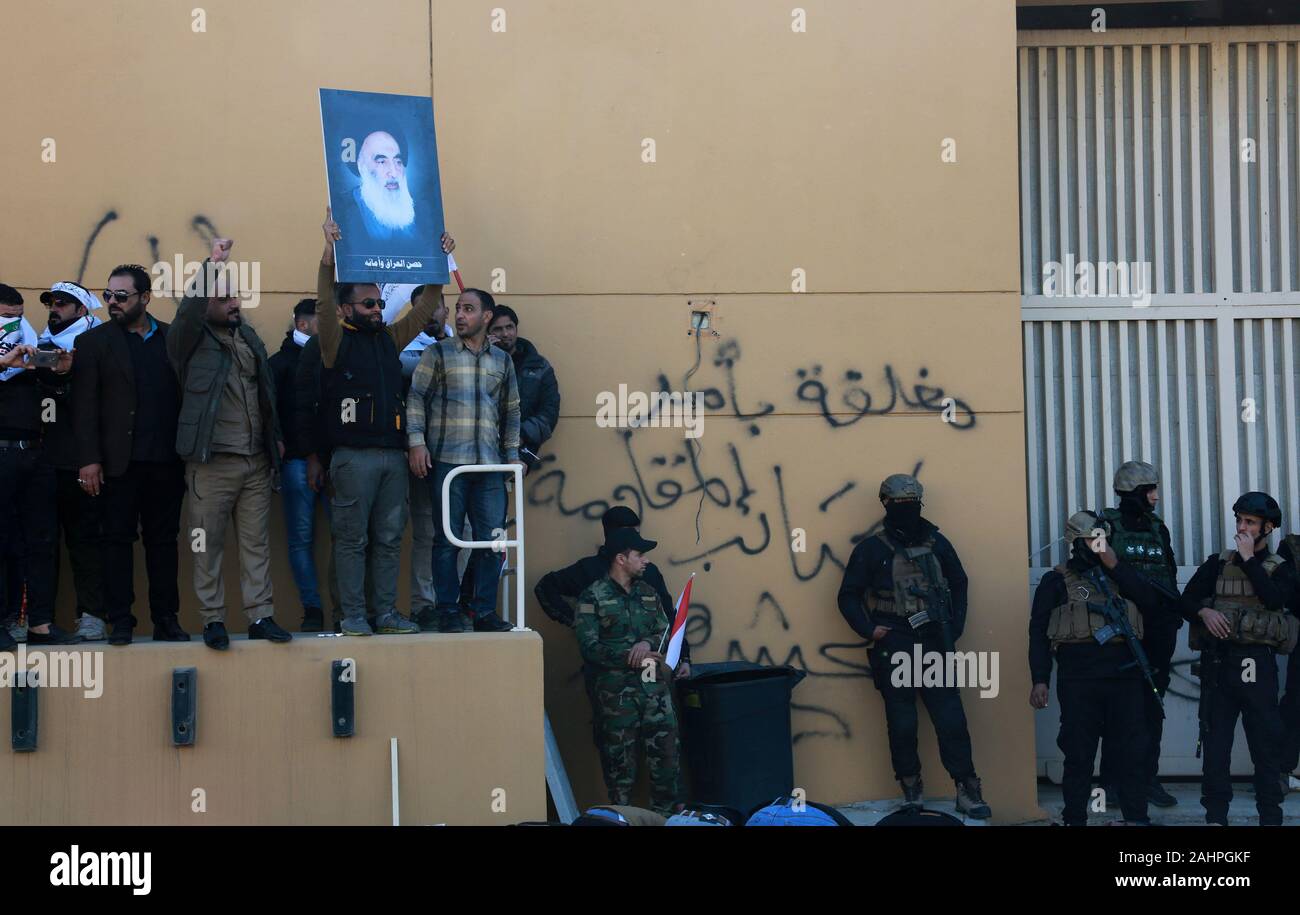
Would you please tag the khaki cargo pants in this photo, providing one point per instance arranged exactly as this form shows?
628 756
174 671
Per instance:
238 485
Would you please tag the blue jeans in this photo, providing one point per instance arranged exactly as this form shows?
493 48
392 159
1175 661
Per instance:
481 496
300 526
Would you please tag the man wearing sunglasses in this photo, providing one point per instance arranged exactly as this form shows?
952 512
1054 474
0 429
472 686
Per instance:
364 421
126 399
229 435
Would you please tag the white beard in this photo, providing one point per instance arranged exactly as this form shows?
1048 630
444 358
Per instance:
392 209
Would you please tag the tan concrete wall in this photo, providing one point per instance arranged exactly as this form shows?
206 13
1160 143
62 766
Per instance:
775 151
264 751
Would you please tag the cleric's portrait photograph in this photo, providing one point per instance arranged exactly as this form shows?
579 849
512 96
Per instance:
382 164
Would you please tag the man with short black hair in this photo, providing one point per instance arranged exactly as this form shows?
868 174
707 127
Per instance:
299 497
621 629
539 392
361 403
228 433
463 409
27 482
126 400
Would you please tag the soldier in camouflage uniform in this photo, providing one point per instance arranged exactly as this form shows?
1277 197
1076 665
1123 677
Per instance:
1290 704
620 628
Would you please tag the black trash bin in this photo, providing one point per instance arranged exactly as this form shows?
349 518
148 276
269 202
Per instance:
736 733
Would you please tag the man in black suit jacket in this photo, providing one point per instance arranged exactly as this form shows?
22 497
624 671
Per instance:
125 402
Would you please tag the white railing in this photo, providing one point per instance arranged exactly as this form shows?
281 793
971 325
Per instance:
497 546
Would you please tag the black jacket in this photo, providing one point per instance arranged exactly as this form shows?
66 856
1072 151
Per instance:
1088 660
284 371
361 396
307 422
539 397
20 406
558 592
104 397
871 568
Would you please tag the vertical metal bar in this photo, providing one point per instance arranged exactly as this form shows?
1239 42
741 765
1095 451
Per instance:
1285 211
1099 100
1144 396
1044 168
1176 160
1158 172
1194 129
1082 245
1184 383
392 758
1243 171
1163 400
1139 178
1289 412
1268 410
1033 434
1049 423
1263 87
1225 358
1106 407
1085 388
1063 158
1202 423
1248 390
1125 420
1068 416
1121 187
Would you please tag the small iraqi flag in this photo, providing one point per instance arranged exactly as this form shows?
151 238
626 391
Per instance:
678 631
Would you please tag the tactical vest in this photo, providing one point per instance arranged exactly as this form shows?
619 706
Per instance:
1249 621
361 395
1081 617
1143 549
911 593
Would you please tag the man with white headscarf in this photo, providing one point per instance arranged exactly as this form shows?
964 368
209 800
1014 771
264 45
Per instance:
78 515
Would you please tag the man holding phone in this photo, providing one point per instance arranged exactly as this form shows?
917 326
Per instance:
27 485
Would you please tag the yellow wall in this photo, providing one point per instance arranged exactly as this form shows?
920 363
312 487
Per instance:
775 151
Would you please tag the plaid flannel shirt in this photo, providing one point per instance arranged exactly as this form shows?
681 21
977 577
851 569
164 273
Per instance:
464 406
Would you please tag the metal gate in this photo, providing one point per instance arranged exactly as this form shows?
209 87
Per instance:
1174 154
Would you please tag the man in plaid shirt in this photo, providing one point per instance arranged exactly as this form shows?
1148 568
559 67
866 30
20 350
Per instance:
463 408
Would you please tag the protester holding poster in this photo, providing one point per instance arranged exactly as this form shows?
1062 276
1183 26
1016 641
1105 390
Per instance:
381 161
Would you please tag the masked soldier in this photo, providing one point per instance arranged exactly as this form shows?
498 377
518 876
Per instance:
620 628
1099 682
1235 603
1140 538
905 586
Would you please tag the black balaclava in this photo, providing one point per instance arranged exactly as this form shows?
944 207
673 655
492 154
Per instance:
1082 557
1134 506
903 521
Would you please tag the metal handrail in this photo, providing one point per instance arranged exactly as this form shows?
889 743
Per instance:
517 472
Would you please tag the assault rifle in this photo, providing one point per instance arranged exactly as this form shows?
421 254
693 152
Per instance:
1117 623
937 597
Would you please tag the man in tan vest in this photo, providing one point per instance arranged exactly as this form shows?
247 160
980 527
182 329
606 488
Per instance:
1099 683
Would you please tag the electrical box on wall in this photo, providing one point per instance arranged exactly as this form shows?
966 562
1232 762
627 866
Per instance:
703 317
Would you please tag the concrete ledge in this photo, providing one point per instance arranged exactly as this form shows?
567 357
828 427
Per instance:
466 710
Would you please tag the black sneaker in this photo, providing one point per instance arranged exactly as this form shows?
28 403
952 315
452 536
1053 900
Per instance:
426 618
490 622
215 636
970 800
121 633
312 620
451 621
267 628
1156 794
7 641
55 636
168 629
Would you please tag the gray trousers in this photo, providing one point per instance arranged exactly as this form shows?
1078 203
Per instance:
369 508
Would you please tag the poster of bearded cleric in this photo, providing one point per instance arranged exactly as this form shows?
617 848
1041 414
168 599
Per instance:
381 159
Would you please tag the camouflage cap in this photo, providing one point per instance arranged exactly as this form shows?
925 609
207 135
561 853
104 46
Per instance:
1081 524
900 486
1132 474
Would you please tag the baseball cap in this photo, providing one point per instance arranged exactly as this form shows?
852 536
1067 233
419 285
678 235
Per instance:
622 539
